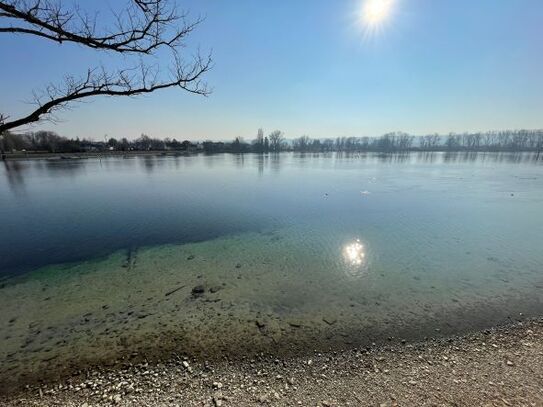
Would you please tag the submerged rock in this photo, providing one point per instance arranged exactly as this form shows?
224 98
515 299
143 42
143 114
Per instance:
294 323
198 290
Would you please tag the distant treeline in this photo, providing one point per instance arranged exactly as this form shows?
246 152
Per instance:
510 140
51 142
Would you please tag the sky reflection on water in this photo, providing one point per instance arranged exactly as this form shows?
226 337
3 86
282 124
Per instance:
70 210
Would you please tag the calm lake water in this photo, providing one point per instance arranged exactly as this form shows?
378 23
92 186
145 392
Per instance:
207 255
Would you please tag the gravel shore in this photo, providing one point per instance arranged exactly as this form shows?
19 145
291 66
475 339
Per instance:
500 367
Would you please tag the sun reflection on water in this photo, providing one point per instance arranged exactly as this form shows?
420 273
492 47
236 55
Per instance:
354 253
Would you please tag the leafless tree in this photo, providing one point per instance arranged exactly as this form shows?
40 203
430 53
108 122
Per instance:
328 144
276 140
301 143
258 143
431 141
405 141
142 28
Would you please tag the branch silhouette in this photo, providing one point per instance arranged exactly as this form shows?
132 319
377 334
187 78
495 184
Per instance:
142 28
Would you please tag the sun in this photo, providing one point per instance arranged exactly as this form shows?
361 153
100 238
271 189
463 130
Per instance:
375 12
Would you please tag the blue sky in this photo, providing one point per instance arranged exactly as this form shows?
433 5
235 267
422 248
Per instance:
307 67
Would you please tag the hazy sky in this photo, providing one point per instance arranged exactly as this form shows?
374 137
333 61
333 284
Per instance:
309 67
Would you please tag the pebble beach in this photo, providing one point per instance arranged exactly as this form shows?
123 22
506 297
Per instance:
498 367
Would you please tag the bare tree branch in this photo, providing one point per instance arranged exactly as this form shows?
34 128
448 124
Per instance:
145 26
127 82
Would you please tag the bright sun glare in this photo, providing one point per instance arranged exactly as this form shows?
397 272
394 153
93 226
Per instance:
354 253
375 12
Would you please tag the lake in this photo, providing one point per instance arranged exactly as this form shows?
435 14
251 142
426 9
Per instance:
217 255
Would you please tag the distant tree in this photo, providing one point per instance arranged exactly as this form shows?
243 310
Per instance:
208 146
386 142
211 147
466 141
489 140
277 141
405 141
430 142
142 29
316 146
453 142
239 146
301 144
113 143
186 145
328 144
143 143
173 144
157 144
46 141
539 142
340 143
124 145
258 143
11 142
364 143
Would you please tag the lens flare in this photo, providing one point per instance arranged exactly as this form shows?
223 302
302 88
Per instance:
375 12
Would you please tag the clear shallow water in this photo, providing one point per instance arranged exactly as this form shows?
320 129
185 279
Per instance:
98 259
